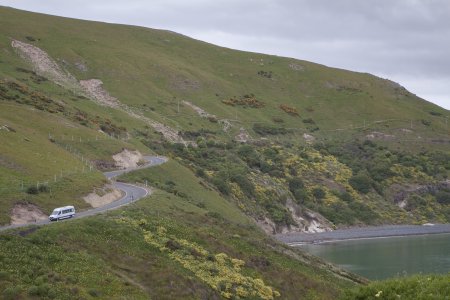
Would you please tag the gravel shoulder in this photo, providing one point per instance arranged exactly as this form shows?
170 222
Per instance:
362 233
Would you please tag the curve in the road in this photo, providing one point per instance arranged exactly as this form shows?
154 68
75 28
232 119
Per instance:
132 193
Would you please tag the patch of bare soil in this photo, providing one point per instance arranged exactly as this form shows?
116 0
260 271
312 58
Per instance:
226 125
167 132
243 136
24 213
296 67
103 196
201 112
204 114
44 65
128 159
380 136
305 220
94 88
309 138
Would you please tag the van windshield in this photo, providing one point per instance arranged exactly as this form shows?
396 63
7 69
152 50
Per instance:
55 212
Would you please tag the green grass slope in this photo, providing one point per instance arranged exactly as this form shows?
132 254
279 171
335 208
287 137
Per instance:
155 69
268 99
162 247
324 146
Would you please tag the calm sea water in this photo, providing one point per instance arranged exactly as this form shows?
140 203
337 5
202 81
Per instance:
388 257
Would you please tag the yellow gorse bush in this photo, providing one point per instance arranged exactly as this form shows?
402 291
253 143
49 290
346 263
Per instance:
221 272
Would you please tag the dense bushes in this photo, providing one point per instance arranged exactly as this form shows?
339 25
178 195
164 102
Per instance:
420 287
443 197
263 129
34 190
361 182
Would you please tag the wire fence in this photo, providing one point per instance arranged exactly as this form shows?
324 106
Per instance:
82 165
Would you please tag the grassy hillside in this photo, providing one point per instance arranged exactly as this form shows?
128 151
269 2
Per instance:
252 139
159 68
298 117
166 246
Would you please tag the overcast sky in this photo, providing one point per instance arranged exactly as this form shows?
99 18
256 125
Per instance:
407 41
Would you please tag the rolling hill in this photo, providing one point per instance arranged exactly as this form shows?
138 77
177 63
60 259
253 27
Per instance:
257 143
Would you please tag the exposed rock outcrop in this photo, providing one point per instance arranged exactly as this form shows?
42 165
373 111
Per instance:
45 66
103 196
24 213
128 159
94 89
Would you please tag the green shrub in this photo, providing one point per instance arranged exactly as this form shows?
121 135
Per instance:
345 196
301 195
94 293
222 186
295 184
33 290
262 129
443 197
308 121
421 287
12 292
426 122
361 182
245 184
32 190
415 201
44 188
318 193
3 275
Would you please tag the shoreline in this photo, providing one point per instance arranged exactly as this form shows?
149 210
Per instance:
374 232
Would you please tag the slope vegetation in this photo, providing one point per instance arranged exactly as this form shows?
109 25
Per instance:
286 144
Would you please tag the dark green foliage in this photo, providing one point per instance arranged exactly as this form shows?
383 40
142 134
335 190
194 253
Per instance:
346 196
94 293
265 74
363 213
245 184
296 184
277 120
263 129
12 293
221 185
43 188
443 197
301 196
426 122
381 172
435 113
32 190
361 182
200 173
415 201
419 287
338 213
318 193
308 121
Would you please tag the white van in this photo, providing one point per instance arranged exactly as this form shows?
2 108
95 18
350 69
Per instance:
62 213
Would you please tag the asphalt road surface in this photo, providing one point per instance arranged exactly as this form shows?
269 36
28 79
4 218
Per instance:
132 193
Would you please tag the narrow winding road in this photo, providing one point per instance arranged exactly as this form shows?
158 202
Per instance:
132 193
